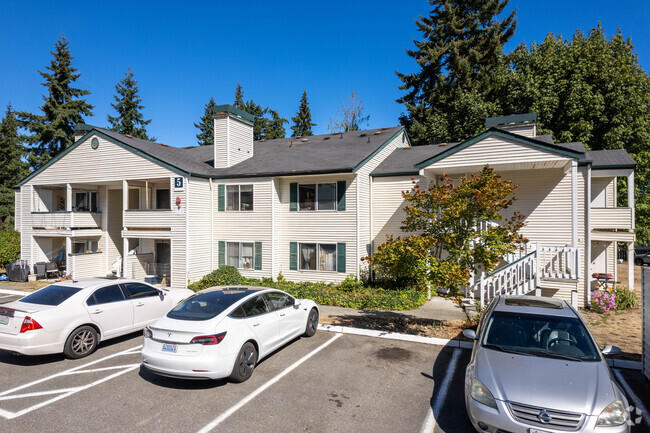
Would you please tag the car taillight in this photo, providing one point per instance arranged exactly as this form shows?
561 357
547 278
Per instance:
29 324
147 332
208 339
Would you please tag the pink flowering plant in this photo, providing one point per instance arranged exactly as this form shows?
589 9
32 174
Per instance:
603 301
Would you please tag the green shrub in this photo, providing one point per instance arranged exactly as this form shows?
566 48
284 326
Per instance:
9 246
351 284
224 276
625 299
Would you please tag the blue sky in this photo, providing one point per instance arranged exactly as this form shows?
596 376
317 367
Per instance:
184 52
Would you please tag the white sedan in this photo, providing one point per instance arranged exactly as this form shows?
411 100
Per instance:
74 316
223 331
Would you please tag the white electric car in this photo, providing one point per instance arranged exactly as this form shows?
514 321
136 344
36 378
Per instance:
223 331
74 316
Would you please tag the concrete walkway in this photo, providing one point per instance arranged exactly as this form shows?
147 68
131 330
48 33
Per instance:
437 308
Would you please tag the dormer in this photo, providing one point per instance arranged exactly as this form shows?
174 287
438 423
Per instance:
233 136
522 124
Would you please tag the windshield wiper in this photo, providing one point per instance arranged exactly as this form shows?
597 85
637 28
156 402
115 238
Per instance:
503 349
546 354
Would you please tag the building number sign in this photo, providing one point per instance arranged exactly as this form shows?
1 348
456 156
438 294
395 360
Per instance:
178 183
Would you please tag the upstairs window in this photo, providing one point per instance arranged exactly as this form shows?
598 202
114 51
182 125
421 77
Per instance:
85 201
239 197
163 199
317 196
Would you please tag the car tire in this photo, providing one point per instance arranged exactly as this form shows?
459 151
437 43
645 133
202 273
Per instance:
244 363
81 342
312 323
638 262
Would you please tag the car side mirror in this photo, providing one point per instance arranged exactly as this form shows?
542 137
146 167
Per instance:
611 350
296 303
469 333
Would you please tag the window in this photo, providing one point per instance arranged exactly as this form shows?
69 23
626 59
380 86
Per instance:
239 197
240 255
280 300
84 246
139 290
321 257
162 199
255 306
50 295
85 201
106 295
205 306
320 196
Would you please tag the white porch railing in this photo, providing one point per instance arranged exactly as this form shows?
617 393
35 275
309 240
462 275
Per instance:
522 276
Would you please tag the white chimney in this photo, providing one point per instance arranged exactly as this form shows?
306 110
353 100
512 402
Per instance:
233 136
522 124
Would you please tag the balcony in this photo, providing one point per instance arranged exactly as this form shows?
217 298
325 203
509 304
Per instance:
63 220
611 218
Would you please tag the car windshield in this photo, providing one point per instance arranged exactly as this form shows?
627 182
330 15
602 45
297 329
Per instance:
205 306
51 295
539 335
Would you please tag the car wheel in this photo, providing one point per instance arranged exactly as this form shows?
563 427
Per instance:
82 342
245 363
312 323
638 262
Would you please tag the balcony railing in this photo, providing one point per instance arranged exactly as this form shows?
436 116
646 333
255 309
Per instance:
611 218
63 220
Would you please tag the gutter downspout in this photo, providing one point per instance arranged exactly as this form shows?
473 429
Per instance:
187 232
588 240
211 225
358 222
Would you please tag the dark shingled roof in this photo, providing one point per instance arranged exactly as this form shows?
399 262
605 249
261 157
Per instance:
615 158
326 153
402 161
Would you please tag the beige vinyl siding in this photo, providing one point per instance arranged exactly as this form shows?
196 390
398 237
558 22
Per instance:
113 226
241 141
137 265
388 205
87 265
247 226
611 259
325 227
220 142
109 162
26 239
526 131
611 192
363 180
495 151
17 210
200 224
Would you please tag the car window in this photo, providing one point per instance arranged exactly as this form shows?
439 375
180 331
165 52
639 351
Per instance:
205 306
51 295
255 306
238 313
139 290
106 295
279 300
539 335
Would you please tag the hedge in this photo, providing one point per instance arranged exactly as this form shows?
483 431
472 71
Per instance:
350 293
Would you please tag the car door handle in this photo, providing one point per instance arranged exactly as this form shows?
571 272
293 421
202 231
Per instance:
98 311
256 324
139 304
283 314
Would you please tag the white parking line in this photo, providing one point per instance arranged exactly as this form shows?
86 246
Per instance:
636 400
66 392
434 410
221 418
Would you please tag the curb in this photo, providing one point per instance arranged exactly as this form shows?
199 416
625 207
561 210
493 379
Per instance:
396 336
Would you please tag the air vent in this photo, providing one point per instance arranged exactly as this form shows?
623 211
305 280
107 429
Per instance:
363 135
326 138
304 140
377 132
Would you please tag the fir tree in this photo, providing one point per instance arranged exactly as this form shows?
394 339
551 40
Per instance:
53 131
129 119
460 62
302 123
275 126
206 126
239 97
14 168
263 127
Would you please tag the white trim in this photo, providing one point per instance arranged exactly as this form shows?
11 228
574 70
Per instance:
630 196
239 255
318 244
357 255
211 226
370 237
273 211
316 184
574 203
187 234
588 237
227 141
612 173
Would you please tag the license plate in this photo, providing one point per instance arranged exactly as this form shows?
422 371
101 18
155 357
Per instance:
4 320
534 430
170 347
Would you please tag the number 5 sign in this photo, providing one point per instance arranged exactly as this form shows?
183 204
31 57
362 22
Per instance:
178 183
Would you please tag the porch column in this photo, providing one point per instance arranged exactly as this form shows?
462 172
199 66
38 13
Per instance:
125 255
68 258
574 204
630 266
68 197
125 195
630 195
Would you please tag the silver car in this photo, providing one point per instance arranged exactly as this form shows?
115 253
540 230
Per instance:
535 368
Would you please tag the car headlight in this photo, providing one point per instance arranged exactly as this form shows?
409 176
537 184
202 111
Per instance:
481 394
612 415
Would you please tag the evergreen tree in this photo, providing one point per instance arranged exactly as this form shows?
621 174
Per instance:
460 62
206 126
14 168
263 127
351 114
588 89
129 119
53 131
275 126
302 121
239 97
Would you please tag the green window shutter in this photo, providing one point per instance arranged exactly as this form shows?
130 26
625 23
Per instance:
293 256
221 201
293 196
340 195
340 257
222 253
258 256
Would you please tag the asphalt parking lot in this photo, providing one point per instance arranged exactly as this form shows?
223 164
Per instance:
328 383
